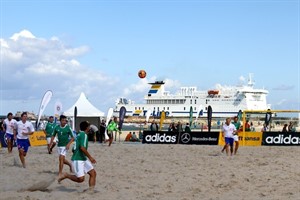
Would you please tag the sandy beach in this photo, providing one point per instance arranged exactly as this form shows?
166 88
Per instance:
153 171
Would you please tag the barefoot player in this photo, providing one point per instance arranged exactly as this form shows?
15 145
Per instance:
9 125
64 133
48 132
227 132
81 159
24 128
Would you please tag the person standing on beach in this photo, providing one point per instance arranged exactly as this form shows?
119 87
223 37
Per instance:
81 159
237 125
48 132
154 126
102 131
94 129
227 132
187 128
9 125
24 128
63 132
112 126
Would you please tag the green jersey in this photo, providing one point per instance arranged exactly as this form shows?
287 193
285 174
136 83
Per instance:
112 126
49 129
81 141
63 135
237 125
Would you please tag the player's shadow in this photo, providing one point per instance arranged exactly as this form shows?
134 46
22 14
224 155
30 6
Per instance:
65 189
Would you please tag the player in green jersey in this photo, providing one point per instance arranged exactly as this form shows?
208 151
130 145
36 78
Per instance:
81 159
112 126
64 133
48 132
237 125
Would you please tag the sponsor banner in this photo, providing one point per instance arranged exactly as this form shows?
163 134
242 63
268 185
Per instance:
165 137
38 138
160 137
205 138
281 139
246 139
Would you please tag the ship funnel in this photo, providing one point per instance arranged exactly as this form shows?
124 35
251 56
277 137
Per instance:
250 80
157 88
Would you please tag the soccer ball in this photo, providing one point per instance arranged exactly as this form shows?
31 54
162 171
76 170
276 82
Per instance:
142 73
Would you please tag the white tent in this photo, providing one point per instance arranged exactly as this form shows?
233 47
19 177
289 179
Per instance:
84 108
85 112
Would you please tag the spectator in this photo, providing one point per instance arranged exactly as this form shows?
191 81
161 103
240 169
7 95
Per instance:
172 127
102 131
179 127
154 126
187 128
134 137
140 135
264 128
247 125
252 128
284 129
128 137
291 127
95 132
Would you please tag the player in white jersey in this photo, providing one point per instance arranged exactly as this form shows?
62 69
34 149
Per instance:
228 131
24 128
10 126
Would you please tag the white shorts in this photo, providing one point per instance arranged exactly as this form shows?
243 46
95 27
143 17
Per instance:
49 140
82 167
236 138
62 151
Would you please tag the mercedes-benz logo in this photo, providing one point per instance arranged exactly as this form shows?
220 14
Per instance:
185 138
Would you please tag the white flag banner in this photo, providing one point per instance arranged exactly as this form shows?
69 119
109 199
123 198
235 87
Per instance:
148 115
57 109
199 110
108 117
46 98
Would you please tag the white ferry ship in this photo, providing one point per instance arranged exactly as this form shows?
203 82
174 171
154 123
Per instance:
225 101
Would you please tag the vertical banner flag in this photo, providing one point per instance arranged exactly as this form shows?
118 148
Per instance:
46 98
200 112
148 115
162 118
209 116
191 116
74 119
240 115
57 110
122 114
108 117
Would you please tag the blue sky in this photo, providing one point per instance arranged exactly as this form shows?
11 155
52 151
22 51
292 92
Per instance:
97 47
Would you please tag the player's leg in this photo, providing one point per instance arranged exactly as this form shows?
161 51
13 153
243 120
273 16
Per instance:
48 144
236 147
88 167
9 139
66 162
78 171
61 164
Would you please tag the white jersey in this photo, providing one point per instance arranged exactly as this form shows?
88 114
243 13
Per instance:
228 130
10 125
26 127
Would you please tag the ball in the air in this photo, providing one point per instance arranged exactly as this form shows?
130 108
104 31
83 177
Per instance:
142 73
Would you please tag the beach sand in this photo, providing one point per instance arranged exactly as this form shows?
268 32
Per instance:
144 171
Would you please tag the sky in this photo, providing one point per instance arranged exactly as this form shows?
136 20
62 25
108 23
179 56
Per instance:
98 47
